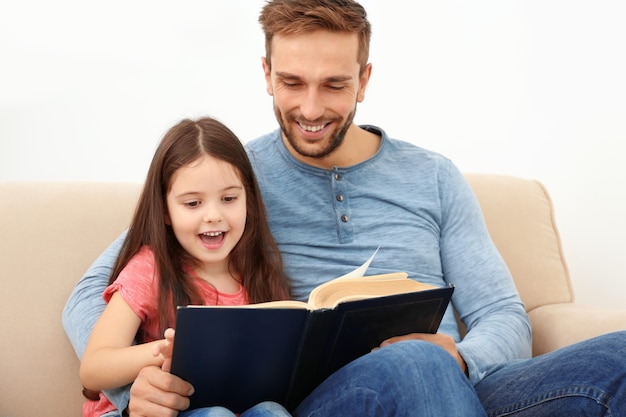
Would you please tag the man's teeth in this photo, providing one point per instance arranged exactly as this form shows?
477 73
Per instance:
312 128
212 234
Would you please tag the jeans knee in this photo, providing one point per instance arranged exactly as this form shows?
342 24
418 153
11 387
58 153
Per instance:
267 409
208 412
407 356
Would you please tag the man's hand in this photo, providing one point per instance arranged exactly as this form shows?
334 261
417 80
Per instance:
156 393
441 340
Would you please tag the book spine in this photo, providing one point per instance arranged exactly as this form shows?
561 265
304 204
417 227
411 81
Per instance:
308 372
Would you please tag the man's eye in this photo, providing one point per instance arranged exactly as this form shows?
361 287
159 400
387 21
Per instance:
336 87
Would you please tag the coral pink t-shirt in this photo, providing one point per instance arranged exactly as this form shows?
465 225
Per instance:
138 285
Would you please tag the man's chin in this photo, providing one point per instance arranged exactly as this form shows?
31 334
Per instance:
311 146
314 152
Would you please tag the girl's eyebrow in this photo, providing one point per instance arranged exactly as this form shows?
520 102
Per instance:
225 189
233 187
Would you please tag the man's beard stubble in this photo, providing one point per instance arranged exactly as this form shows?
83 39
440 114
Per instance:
335 141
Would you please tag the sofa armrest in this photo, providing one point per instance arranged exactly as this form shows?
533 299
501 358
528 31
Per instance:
558 325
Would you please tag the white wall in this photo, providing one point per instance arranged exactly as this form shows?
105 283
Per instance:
533 88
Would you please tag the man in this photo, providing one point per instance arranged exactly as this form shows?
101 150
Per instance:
334 192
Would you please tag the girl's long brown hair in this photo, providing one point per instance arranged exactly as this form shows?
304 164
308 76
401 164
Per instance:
255 258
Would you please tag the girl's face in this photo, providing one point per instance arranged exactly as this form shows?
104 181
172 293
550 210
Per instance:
206 206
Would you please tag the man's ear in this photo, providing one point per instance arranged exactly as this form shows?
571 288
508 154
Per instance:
363 81
268 76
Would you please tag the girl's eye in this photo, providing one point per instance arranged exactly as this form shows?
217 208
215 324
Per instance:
192 203
229 199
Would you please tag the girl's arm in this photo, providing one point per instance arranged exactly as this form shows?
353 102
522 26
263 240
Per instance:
110 359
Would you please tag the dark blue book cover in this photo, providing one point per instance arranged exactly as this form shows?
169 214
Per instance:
236 357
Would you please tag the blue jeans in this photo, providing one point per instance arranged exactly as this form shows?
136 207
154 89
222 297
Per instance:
412 378
419 379
264 409
585 379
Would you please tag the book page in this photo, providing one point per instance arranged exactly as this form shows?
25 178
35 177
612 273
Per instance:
356 273
280 304
330 294
267 304
360 271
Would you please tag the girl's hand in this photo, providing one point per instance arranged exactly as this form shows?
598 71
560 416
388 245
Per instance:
164 349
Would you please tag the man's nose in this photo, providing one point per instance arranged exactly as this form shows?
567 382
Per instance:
312 106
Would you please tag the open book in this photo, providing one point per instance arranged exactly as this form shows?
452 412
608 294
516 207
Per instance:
340 290
237 357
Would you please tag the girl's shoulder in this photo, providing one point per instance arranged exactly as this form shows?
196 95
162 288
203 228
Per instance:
138 275
141 265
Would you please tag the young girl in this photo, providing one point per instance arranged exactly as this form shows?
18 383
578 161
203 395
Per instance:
199 235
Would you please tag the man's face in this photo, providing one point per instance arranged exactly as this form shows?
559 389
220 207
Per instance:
316 85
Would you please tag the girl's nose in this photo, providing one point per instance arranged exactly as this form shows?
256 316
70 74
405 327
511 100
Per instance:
212 214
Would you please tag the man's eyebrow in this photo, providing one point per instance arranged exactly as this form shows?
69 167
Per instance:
332 79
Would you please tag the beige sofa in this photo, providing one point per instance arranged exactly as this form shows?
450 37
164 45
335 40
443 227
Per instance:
51 232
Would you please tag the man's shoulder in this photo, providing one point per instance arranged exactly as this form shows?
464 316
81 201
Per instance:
409 160
402 147
405 150
262 143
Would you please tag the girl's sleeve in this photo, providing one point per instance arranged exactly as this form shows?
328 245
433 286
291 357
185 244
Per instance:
136 285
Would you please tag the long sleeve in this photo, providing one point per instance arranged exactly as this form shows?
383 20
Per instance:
487 302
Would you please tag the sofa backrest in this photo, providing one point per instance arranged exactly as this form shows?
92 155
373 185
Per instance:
49 235
520 218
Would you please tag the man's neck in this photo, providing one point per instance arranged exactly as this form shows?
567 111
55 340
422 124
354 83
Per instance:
359 145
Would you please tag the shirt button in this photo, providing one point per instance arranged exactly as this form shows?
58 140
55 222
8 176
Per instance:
344 218
339 197
338 177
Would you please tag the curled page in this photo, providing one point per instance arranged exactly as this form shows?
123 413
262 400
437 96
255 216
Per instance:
360 271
